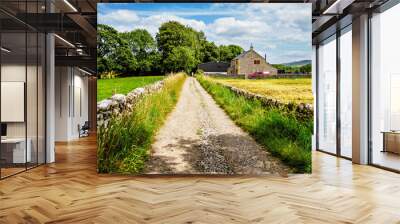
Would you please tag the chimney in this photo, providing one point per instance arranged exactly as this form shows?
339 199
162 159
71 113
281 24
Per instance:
265 57
251 47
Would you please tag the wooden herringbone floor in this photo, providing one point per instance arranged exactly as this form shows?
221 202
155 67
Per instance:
70 191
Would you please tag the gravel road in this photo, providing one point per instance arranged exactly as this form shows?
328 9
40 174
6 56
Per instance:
199 138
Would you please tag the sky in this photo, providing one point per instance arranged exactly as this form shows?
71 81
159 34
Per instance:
281 31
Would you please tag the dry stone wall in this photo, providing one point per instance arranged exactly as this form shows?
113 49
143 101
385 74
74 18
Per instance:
119 103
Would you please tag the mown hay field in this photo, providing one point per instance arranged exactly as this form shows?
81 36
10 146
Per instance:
297 90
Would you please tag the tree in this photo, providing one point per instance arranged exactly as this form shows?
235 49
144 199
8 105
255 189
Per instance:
113 53
227 53
181 59
201 44
210 52
170 35
139 41
144 49
124 62
107 43
173 35
155 59
176 48
107 40
305 68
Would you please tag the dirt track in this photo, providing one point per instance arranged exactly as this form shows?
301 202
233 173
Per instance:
199 138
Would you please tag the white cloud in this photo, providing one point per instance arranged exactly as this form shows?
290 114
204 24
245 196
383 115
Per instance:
152 23
119 16
127 20
234 27
121 19
272 28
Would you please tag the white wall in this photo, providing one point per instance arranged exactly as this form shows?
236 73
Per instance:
81 88
70 83
14 72
62 82
33 127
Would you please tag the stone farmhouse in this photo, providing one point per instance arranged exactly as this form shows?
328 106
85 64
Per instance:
250 62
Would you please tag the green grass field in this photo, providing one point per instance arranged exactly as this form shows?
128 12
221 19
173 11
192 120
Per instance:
107 87
282 134
297 90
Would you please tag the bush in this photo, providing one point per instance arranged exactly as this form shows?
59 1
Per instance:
123 147
285 136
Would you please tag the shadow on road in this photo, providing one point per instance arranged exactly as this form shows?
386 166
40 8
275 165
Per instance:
218 154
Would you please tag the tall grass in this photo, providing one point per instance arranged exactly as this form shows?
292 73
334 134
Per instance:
123 147
279 131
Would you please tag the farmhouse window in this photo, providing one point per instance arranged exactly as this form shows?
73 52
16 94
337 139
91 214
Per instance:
256 62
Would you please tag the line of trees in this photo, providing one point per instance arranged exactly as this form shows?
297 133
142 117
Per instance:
304 69
175 48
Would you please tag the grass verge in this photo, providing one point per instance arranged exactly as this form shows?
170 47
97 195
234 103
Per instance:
123 147
279 131
107 87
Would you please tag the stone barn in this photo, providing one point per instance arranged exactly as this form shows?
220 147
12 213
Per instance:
250 62
214 68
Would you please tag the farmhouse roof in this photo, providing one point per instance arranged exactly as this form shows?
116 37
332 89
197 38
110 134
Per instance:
246 52
214 66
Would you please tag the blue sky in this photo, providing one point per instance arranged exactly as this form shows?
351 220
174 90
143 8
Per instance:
281 31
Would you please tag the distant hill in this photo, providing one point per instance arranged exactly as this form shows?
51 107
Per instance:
298 63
